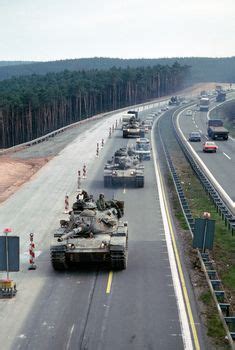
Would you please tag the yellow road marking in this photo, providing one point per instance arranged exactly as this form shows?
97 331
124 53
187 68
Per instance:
109 284
184 288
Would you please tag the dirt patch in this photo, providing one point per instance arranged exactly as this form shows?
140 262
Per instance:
15 172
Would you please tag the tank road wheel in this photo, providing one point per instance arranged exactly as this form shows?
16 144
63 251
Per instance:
58 260
107 181
139 181
118 260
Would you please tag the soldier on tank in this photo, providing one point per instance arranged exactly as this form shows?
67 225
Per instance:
83 195
101 202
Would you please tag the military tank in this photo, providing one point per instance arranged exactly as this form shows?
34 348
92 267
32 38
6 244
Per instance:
133 129
91 235
124 169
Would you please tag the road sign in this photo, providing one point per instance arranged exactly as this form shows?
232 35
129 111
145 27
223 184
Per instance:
203 236
13 249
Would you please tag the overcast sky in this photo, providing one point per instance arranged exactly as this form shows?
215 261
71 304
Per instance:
58 29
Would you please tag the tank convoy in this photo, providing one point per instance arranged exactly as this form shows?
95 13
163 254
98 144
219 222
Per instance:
124 169
93 233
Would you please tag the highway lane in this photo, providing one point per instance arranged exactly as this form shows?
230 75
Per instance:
72 310
221 164
132 316
37 207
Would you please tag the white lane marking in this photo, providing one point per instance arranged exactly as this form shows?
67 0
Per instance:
70 336
196 125
227 156
203 165
187 339
200 131
206 137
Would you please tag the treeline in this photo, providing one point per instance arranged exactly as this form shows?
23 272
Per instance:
35 105
203 69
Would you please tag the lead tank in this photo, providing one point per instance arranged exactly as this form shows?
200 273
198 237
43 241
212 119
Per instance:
91 235
124 169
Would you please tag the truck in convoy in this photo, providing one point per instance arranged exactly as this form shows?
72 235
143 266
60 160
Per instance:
216 130
204 104
221 96
135 113
126 118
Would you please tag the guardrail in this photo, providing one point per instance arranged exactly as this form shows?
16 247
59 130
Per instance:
223 305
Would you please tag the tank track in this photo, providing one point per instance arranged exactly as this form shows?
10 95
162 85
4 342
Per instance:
118 260
58 260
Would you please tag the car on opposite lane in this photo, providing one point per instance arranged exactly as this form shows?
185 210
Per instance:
195 136
189 112
210 146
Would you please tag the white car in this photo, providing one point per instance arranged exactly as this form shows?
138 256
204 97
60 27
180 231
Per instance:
189 112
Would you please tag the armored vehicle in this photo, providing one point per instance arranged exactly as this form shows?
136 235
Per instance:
124 169
142 148
91 235
133 129
174 101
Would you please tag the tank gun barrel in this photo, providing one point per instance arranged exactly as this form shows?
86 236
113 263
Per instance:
69 234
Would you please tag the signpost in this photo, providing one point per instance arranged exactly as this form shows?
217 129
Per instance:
204 230
9 261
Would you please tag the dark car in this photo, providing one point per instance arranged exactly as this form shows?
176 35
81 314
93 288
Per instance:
195 136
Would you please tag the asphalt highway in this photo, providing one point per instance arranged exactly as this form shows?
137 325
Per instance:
91 308
220 164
